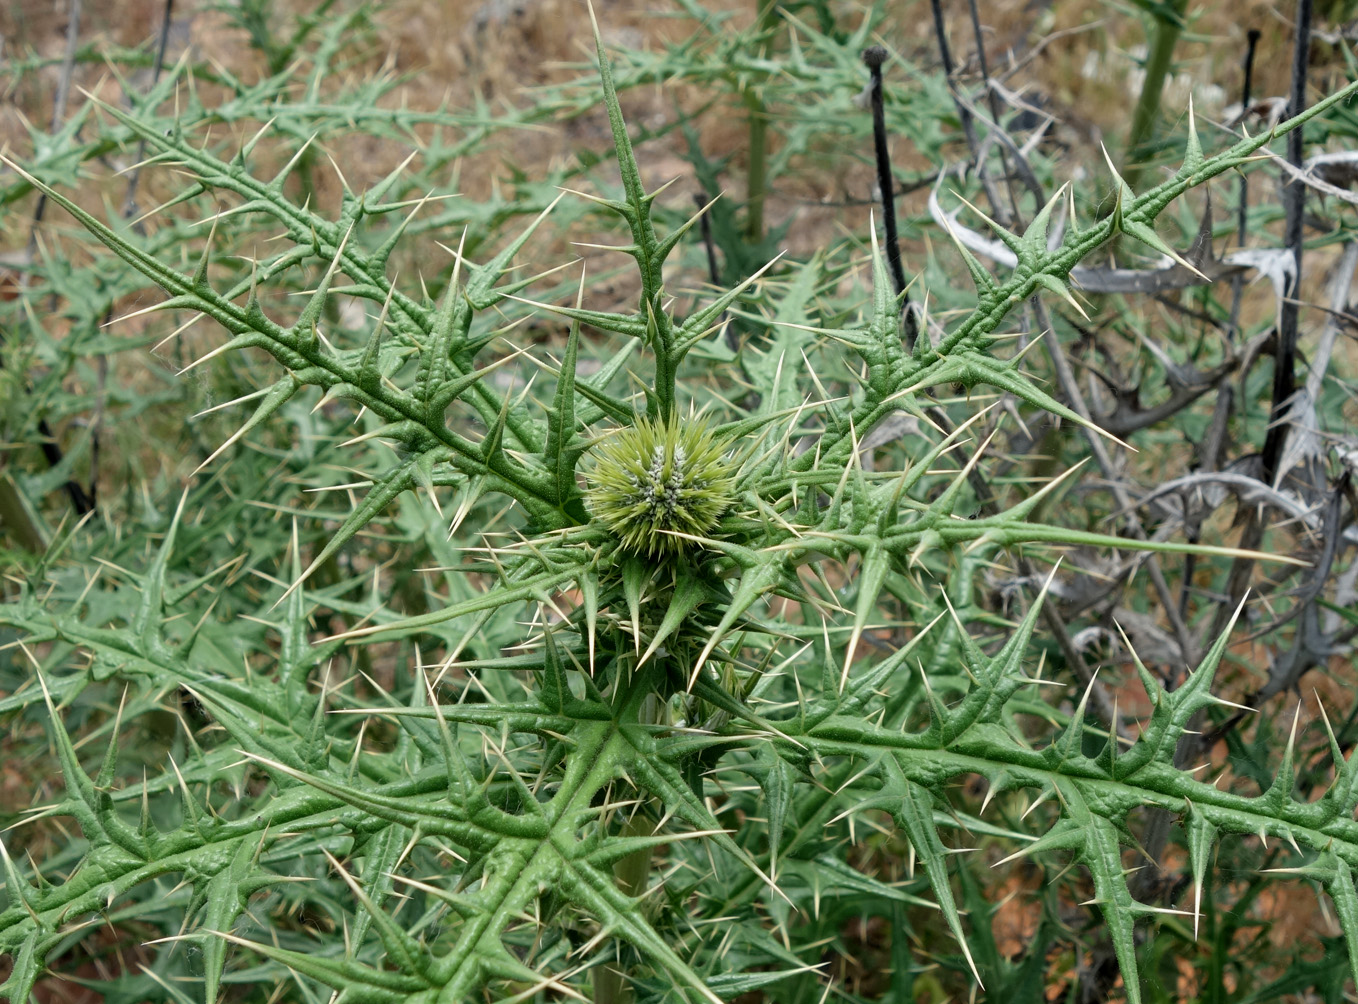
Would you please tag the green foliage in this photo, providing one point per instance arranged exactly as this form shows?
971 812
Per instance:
606 725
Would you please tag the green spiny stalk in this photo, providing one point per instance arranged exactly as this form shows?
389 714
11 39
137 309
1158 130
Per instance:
1168 24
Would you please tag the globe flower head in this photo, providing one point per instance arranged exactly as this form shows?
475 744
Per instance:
658 479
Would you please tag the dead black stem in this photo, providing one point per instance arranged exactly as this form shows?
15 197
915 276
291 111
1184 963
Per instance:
874 57
162 43
1242 209
1209 450
1294 198
1246 95
993 102
941 31
713 270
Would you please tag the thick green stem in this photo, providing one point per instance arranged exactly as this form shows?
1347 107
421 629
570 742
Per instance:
18 518
612 986
1163 40
757 178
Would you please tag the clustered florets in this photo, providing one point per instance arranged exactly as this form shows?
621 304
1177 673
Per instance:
656 480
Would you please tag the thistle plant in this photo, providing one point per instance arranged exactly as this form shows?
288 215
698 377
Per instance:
666 672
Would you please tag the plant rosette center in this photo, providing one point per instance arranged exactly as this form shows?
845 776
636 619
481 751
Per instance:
658 484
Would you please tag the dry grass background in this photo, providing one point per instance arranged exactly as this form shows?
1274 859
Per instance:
1076 57
501 49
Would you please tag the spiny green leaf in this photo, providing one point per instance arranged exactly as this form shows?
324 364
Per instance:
564 448
915 814
690 591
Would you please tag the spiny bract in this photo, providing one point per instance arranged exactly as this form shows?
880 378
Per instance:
657 480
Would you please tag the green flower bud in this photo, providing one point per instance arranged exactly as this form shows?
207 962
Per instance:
655 478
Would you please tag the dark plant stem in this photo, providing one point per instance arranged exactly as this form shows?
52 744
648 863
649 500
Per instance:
162 43
1209 454
705 229
1294 198
993 102
874 57
713 270
1243 207
1246 95
963 112
991 99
